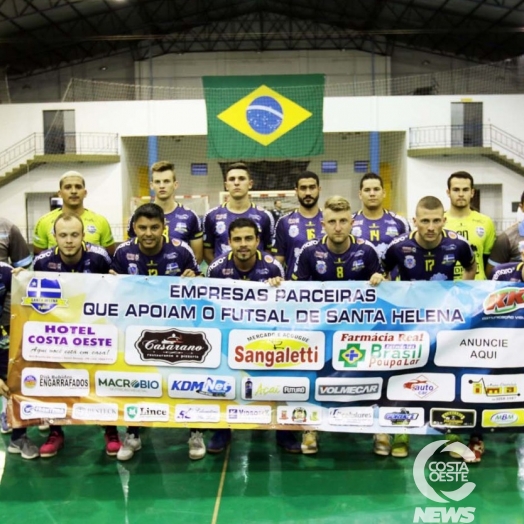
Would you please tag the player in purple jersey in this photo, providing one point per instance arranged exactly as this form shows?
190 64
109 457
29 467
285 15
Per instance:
216 222
512 271
150 254
430 252
72 255
300 226
181 222
246 262
373 222
336 256
379 226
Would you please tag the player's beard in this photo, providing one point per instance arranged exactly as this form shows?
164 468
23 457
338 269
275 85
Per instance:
311 202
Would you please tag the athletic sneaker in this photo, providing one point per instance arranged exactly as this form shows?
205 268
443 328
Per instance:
400 446
113 443
197 448
309 443
381 444
5 428
53 444
453 437
219 441
476 445
288 441
24 446
129 446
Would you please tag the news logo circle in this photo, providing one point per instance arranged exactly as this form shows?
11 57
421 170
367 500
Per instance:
264 115
442 471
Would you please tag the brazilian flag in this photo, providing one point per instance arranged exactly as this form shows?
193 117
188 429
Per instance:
264 116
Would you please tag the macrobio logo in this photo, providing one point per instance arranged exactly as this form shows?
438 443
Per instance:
443 472
121 384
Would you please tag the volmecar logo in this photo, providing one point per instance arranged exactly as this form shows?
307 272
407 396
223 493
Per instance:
122 384
348 389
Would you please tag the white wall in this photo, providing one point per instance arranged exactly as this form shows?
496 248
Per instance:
111 185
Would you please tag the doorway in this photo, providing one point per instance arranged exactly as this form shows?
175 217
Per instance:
466 124
59 132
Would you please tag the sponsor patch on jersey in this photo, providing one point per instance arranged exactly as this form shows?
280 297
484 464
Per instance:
268 258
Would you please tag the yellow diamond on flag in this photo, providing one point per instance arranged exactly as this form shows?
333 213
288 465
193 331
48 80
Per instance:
264 115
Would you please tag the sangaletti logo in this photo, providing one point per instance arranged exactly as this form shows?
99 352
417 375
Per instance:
173 346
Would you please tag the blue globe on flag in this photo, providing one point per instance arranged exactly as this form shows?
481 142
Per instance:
264 115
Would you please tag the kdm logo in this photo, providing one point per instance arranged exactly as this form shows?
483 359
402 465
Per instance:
442 471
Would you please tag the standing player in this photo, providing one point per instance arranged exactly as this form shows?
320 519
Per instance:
336 256
150 253
13 250
72 255
181 222
373 222
19 443
216 222
379 226
476 228
246 262
300 226
428 253
73 192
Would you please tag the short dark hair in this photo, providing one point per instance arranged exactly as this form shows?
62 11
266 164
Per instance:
150 211
431 203
306 174
371 176
522 199
464 175
238 165
243 222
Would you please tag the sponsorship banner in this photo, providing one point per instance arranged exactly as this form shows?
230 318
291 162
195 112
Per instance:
417 357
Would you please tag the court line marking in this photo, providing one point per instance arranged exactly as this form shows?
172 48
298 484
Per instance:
221 486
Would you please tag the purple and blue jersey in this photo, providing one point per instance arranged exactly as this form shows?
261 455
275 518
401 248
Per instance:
5 283
266 266
417 263
292 232
380 232
94 260
316 262
181 223
173 259
510 272
216 224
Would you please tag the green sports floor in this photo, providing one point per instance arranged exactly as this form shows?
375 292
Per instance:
251 482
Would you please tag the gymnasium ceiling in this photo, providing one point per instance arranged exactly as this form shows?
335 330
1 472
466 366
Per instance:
45 35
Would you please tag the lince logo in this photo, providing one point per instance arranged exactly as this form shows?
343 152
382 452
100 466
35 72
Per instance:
173 346
504 301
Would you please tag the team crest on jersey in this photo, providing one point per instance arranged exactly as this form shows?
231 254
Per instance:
172 268
293 231
321 267
392 231
132 269
410 262
91 229
448 259
480 231
268 258
220 227
44 295
357 231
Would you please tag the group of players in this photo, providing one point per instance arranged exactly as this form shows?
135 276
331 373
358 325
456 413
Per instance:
239 240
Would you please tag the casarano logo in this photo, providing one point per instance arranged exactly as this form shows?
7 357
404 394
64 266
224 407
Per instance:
443 471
